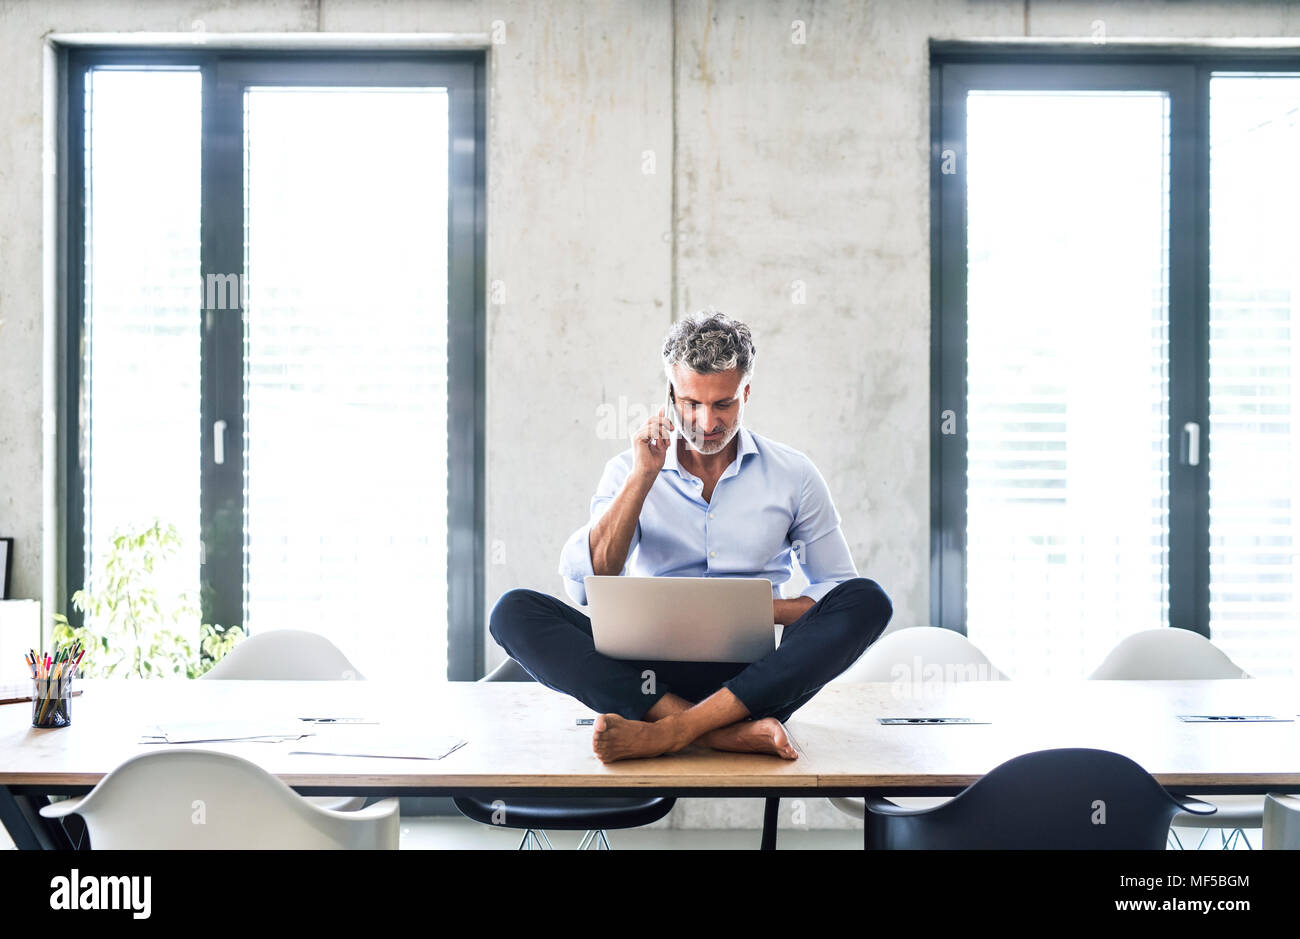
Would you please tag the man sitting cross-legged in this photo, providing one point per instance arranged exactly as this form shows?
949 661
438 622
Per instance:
723 502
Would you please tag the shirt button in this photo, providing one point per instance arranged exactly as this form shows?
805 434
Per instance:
710 515
713 554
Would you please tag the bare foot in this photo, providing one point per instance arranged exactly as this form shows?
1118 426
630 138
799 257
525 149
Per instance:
617 738
766 735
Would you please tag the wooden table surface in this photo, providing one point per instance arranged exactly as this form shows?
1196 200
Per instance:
1136 718
524 735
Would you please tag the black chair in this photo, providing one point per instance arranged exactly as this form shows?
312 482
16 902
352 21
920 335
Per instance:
1070 799
534 814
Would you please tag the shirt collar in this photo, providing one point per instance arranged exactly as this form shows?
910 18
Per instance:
747 446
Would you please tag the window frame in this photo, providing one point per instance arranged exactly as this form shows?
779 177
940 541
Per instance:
1184 70
225 72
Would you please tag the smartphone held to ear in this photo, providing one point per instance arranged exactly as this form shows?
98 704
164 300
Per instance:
670 410
670 415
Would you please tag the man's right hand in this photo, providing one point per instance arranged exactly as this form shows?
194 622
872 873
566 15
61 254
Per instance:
650 443
611 537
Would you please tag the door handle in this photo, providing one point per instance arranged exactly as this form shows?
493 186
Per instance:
219 442
1192 443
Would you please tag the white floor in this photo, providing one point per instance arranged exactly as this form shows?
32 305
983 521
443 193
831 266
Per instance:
444 833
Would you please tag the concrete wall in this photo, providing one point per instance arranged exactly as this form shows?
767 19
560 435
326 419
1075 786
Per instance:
786 164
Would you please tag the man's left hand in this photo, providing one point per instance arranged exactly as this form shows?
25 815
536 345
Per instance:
786 612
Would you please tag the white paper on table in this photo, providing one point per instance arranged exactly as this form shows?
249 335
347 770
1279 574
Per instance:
226 730
408 745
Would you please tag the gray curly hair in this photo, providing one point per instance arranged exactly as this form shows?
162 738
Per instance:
708 342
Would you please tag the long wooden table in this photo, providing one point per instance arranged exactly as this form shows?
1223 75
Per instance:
523 738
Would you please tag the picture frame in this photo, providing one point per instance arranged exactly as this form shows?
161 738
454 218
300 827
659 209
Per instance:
6 565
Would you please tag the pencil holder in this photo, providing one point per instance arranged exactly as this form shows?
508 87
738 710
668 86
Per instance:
51 699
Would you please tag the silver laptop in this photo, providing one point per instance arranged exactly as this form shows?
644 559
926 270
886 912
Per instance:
682 619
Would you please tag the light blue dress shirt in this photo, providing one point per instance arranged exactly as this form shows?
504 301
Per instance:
770 506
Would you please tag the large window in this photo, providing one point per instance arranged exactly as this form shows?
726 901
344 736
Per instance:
1254 376
1115 292
275 310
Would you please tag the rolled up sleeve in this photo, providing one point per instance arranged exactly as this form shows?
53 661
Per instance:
816 540
575 557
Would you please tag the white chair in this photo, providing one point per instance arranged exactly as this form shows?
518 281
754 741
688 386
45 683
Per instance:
918 655
207 800
942 653
1166 653
290 655
285 655
1172 653
1281 822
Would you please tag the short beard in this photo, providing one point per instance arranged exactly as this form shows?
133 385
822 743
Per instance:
710 447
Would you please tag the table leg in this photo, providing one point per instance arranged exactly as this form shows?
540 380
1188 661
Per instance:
29 831
771 808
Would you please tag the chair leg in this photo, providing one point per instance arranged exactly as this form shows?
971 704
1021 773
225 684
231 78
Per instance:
1238 834
1178 841
535 840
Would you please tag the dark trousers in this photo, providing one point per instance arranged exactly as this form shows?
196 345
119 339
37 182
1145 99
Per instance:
552 641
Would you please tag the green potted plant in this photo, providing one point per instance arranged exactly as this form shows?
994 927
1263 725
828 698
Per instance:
128 631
